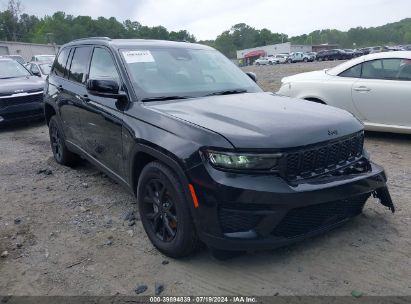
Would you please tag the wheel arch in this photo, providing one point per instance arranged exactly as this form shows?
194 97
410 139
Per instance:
315 99
143 154
49 111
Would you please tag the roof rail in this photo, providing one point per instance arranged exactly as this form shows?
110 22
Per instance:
93 38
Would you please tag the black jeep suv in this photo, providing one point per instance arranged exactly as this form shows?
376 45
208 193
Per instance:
208 154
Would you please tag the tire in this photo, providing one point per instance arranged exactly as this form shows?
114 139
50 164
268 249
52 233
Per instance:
164 211
257 63
305 60
58 146
270 63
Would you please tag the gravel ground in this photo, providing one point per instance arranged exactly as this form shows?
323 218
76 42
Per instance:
68 232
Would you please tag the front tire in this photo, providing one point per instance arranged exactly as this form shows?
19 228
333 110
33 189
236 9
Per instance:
164 211
60 152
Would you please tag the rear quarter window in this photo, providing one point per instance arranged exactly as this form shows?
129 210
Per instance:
353 72
60 64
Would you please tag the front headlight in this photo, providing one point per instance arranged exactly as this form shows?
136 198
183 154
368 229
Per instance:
242 161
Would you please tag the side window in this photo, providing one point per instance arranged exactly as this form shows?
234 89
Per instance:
60 64
79 64
392 68
102 65
373 70
404 71
354 72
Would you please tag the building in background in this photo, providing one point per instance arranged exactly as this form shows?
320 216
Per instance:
268 50
27 50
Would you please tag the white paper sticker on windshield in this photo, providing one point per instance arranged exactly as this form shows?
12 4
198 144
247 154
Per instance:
138 56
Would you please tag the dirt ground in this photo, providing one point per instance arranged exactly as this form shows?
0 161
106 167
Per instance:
67 232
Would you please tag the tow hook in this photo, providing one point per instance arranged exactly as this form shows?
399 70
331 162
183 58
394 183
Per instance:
385 198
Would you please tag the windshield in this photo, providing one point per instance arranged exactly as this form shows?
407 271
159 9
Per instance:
19 59
45 57
12 69
45 68
164 72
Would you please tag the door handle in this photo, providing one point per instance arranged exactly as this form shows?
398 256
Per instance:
362 89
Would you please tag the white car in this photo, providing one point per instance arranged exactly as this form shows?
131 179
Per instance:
40 69
376 88
280 58
264 61
47 58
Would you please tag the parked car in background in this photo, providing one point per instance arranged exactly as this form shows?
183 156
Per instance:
21 94
17 58
335 54
280 58
45 58
207 153
297 57
265 60
350 53
358 52
376 88
39 68
309 56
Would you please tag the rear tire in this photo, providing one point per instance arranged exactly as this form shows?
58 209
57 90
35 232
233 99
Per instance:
164 211
58 145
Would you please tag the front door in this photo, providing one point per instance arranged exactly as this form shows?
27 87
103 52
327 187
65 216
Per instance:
383 93
102 117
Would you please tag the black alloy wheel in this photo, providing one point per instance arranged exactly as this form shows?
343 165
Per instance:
56 142
160 210
60 152
165 212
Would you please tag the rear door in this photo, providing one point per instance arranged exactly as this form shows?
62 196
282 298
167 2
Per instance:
102 117
73 89
383 93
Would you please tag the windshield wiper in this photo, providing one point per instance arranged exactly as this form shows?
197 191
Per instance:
228 92
163 98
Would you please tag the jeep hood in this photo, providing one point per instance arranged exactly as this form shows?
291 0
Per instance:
263 120
21 84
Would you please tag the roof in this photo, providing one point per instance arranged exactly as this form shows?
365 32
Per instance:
383 55
132 43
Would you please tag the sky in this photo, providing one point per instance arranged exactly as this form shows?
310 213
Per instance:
206 19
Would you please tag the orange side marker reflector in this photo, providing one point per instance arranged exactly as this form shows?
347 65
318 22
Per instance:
193 195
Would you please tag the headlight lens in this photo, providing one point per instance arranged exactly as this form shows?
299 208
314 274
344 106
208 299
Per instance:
244 161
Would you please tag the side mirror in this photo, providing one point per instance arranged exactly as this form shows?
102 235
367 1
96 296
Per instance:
36 73
104 88
252 75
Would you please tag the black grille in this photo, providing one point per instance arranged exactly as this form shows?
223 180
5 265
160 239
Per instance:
316 160
237 221
303 220
12 101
